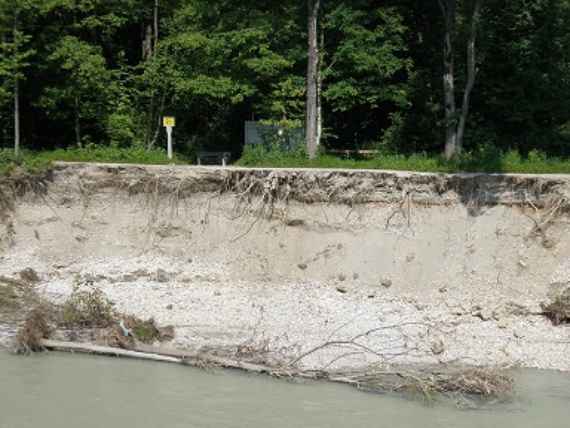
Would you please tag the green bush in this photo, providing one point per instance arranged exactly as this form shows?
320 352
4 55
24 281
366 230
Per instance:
87 308
121 129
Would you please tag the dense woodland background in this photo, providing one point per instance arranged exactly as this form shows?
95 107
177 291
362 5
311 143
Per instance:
104 71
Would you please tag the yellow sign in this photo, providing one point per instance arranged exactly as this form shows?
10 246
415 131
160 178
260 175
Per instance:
169 121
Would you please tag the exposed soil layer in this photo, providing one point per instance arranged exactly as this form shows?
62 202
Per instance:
322 269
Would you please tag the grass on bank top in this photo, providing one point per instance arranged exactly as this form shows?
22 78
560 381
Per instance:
41 161
488 161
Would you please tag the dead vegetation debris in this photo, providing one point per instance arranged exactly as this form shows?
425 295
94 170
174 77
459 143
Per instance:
430 384
9 297
35 329
29 275
558 310
15 296
87 310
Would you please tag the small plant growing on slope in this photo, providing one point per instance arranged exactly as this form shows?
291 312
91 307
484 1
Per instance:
87 308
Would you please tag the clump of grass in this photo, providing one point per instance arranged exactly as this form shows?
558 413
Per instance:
558 311
87 308
28 162
110 154
35 329
143 331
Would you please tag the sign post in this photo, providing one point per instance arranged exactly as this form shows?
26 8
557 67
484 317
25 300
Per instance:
169 123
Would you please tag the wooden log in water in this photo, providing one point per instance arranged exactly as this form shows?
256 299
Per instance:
89 348
145 352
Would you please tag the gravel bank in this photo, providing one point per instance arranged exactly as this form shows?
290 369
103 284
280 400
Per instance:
421 276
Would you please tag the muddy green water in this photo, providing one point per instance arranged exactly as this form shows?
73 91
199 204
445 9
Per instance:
60 391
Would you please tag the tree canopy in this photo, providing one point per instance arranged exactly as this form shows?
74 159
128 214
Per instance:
104 72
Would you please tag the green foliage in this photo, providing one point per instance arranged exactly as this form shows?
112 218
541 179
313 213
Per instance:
84 79
369 54
144 331
486 159
121 129
84 89
110 154
15 51
273 155
87 308
33 164
37 162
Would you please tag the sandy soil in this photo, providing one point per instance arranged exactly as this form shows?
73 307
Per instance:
384 267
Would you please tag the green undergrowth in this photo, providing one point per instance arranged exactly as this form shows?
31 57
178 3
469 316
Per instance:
35 162
486 160
489 161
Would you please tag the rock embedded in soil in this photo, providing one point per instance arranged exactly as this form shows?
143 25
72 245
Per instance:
438 347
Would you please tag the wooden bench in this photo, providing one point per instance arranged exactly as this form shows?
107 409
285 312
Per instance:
216 158
349 153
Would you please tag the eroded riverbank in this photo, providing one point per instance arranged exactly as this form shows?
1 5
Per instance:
323 269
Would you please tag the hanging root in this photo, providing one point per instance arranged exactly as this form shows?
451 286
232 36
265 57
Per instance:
546 216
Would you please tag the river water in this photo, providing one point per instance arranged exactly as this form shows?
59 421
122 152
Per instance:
61 391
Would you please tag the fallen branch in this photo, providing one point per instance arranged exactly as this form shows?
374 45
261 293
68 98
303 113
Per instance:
466 382
150 353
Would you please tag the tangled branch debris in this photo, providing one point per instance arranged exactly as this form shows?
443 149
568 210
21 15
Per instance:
491 383
35 329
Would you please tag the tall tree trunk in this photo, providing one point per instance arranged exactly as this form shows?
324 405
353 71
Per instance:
455 123
320 89
77 124
16 117
448 9
158 124
147 44
16 93
155 24
312 79
152 35
471 72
